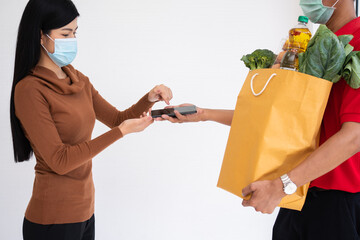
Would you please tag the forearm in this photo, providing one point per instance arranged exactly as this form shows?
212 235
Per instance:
329 155
136 110
143 105
218 115
110 116
64 158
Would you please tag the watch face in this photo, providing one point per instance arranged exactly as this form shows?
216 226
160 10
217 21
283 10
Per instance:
290 188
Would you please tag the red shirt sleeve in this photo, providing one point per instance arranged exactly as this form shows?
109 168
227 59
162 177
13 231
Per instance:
350 107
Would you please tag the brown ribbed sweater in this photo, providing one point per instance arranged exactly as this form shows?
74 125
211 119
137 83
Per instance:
58 117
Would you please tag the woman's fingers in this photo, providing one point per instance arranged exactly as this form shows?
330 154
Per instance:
144 114
147 120
166 94
161 92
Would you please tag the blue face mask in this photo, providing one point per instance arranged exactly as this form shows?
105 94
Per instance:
316 11
65 51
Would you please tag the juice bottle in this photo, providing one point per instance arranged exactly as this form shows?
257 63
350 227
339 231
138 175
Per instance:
300 33
299 37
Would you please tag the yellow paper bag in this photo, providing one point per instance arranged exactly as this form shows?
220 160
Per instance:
276 125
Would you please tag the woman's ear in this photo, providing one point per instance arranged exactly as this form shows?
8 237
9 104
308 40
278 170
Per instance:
41 37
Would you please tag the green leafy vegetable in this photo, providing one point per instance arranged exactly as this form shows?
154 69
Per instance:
348 49
331 58
260 58
351 70
345 39
325 54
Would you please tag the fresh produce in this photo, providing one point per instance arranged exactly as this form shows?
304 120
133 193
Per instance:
351 70
325 55
260 58
331 58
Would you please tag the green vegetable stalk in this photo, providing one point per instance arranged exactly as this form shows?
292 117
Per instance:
260 58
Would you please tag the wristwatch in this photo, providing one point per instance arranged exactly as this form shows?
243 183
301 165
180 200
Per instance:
289 186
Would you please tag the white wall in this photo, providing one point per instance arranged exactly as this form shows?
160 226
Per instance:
159 184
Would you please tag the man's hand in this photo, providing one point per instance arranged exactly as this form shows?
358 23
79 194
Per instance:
196 117
265 195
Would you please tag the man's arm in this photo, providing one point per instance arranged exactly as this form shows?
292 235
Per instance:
266 195
217 115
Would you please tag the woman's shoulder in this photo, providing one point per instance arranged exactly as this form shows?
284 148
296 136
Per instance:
29 90
28 84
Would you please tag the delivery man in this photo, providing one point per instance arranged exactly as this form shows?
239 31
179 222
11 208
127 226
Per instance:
332 206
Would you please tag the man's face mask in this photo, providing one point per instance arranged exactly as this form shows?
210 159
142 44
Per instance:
316 11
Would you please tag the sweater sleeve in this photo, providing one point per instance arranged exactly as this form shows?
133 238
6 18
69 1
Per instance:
110 116
32 109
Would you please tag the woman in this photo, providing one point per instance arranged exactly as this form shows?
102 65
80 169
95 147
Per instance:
53 111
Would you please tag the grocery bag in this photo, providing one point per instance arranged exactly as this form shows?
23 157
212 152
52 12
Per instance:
276 125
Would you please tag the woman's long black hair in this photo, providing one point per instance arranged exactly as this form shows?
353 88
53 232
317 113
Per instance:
39 15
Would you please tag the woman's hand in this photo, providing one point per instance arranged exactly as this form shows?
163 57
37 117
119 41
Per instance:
160 93
135 124
196 117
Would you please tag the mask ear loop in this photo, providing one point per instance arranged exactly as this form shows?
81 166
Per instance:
54 40
44 48
51 40
335 3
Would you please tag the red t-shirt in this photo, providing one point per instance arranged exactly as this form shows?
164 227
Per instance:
343 106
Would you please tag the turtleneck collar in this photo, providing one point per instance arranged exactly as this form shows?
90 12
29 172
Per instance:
69 85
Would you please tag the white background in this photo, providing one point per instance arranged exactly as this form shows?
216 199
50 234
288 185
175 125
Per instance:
159 184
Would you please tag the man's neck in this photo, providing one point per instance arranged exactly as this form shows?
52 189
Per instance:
343 14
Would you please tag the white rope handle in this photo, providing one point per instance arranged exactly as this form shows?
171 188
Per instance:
252 85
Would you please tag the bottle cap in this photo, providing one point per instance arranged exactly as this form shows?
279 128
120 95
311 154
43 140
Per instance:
303 19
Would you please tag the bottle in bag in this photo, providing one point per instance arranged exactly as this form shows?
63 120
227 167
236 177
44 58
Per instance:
300 34
299 37
290 61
